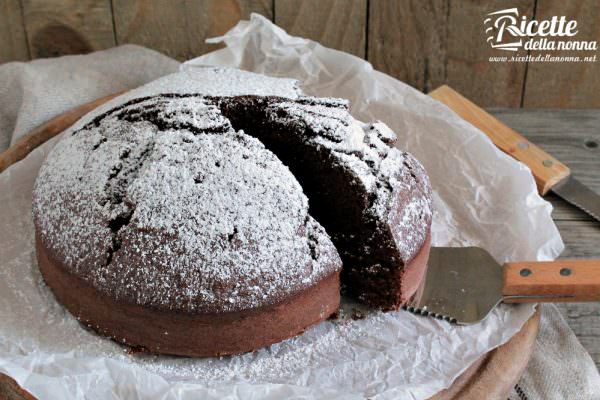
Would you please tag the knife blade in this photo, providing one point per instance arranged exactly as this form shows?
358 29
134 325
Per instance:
549 173
579 195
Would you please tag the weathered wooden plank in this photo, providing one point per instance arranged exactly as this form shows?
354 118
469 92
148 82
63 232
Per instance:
562 210
427 43
57 27
506 139
572 136
468 68
13 42
179 28
407 39
566 84
340 24
581 238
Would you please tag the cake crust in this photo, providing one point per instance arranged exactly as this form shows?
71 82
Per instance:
188 334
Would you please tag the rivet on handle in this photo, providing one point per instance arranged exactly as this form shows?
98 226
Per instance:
547 163
525 272
565 271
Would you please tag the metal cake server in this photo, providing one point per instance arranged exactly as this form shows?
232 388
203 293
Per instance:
464 284
549 173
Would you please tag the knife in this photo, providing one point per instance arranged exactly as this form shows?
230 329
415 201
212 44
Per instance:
549 173
464 284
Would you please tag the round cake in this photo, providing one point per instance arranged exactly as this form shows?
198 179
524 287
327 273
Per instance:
210 213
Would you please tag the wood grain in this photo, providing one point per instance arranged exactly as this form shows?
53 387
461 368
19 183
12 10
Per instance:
13 42
407 39
565 280
179 28
340 24
10 389
428 43
581 239
60 27
569 135
468 68
424 43
546 169
566 84
572 136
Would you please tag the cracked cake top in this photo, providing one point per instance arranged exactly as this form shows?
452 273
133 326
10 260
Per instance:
178 211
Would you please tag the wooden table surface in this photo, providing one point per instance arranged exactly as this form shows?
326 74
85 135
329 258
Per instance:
572 136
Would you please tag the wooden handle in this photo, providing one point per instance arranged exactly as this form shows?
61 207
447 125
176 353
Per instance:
41 134
546 170
552 281
10 389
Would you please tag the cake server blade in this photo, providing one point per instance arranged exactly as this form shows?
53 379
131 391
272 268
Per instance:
464 284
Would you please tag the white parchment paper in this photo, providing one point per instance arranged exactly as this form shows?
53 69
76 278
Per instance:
482 197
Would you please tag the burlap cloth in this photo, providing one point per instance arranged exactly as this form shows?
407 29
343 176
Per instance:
33 92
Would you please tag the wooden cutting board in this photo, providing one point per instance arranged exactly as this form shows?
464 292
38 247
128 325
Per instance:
491 377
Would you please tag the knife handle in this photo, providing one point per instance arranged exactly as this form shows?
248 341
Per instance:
546 170
552 281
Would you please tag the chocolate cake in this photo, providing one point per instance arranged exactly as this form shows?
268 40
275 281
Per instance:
211 212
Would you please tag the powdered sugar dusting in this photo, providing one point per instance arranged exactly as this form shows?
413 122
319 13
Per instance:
164 216
395 180
406 215
211 81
